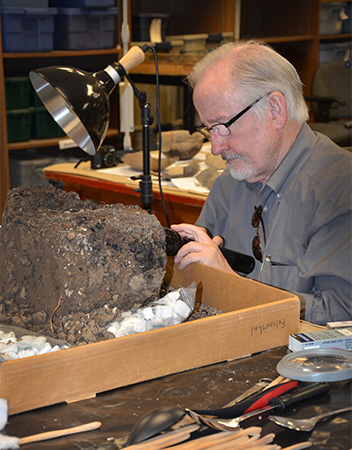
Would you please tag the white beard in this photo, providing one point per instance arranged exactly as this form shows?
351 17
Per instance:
240 174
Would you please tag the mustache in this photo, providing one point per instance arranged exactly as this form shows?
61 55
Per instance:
228 158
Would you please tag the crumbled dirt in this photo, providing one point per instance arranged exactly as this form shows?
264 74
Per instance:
201 310
68 267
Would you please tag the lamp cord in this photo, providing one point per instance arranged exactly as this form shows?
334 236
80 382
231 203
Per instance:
138 95
159 134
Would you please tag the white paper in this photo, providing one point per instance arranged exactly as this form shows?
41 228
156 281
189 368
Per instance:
190 184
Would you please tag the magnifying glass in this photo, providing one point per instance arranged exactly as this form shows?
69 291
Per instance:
321 364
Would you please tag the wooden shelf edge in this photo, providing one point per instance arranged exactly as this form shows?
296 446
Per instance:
278 39
340 36
332 1
52 142
61 53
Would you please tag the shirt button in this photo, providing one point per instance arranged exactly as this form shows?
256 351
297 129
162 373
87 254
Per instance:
278 196
265 208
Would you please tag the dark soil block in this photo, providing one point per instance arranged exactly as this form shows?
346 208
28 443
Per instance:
69 267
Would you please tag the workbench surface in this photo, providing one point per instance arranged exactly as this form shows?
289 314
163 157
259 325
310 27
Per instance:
202 388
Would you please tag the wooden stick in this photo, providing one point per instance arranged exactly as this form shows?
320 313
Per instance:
206 441
299 446
263 447
240 444
58 433
278 380
166 439
233 446
219 440
260 445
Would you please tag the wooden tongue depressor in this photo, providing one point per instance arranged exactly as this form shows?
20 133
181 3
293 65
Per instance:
250 442
59 433
221 439
166 439
299 446
243 439
278 380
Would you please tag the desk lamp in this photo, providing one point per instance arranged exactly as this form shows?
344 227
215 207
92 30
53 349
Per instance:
79 103
79 100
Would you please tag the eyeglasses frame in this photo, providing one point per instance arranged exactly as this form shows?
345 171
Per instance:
206 130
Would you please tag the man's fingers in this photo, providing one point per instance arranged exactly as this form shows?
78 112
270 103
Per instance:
192 232
218 240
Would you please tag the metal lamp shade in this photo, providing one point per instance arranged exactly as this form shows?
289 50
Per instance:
78 101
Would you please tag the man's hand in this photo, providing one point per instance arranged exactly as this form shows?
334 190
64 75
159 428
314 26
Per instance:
202 249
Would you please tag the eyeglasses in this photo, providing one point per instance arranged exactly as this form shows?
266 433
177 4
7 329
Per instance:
222 129
256 221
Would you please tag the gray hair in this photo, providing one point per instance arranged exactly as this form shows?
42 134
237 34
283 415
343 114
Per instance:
257 69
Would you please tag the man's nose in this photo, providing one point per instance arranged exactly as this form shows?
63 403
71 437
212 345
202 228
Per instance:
217 143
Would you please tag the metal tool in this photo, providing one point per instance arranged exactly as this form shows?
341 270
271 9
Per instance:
277 403
162 418
262 383
256 401
153 423
305 424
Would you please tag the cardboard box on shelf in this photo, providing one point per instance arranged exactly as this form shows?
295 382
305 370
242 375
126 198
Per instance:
256 317
192 43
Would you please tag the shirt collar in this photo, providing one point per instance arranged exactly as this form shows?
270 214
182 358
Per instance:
300 151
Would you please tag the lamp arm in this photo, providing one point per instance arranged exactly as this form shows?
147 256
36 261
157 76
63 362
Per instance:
145 184
140 95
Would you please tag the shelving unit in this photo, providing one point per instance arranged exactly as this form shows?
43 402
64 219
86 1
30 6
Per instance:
20 63
290 26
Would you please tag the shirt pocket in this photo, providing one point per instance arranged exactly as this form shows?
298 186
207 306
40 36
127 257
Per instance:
284 277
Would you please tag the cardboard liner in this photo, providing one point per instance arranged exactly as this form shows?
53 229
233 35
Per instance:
256 317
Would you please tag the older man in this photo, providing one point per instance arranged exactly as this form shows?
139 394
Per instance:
286 192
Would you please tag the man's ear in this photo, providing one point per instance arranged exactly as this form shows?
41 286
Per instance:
278 109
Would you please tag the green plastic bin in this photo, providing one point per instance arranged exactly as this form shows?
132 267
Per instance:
17 92
19 124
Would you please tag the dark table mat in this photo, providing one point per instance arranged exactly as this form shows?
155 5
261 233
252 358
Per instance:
202 388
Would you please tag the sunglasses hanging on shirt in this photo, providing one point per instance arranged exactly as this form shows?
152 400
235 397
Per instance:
257 220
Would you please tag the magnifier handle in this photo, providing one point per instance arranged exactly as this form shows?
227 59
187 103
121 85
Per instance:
239 262
299 395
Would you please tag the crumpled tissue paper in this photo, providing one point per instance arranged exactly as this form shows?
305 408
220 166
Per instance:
172 309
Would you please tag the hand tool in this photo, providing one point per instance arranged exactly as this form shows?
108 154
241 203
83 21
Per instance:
305 424
166 439
259 400
162 418
153 423
277 403
259 386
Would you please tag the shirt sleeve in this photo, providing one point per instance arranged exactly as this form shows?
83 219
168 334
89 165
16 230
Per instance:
328 262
